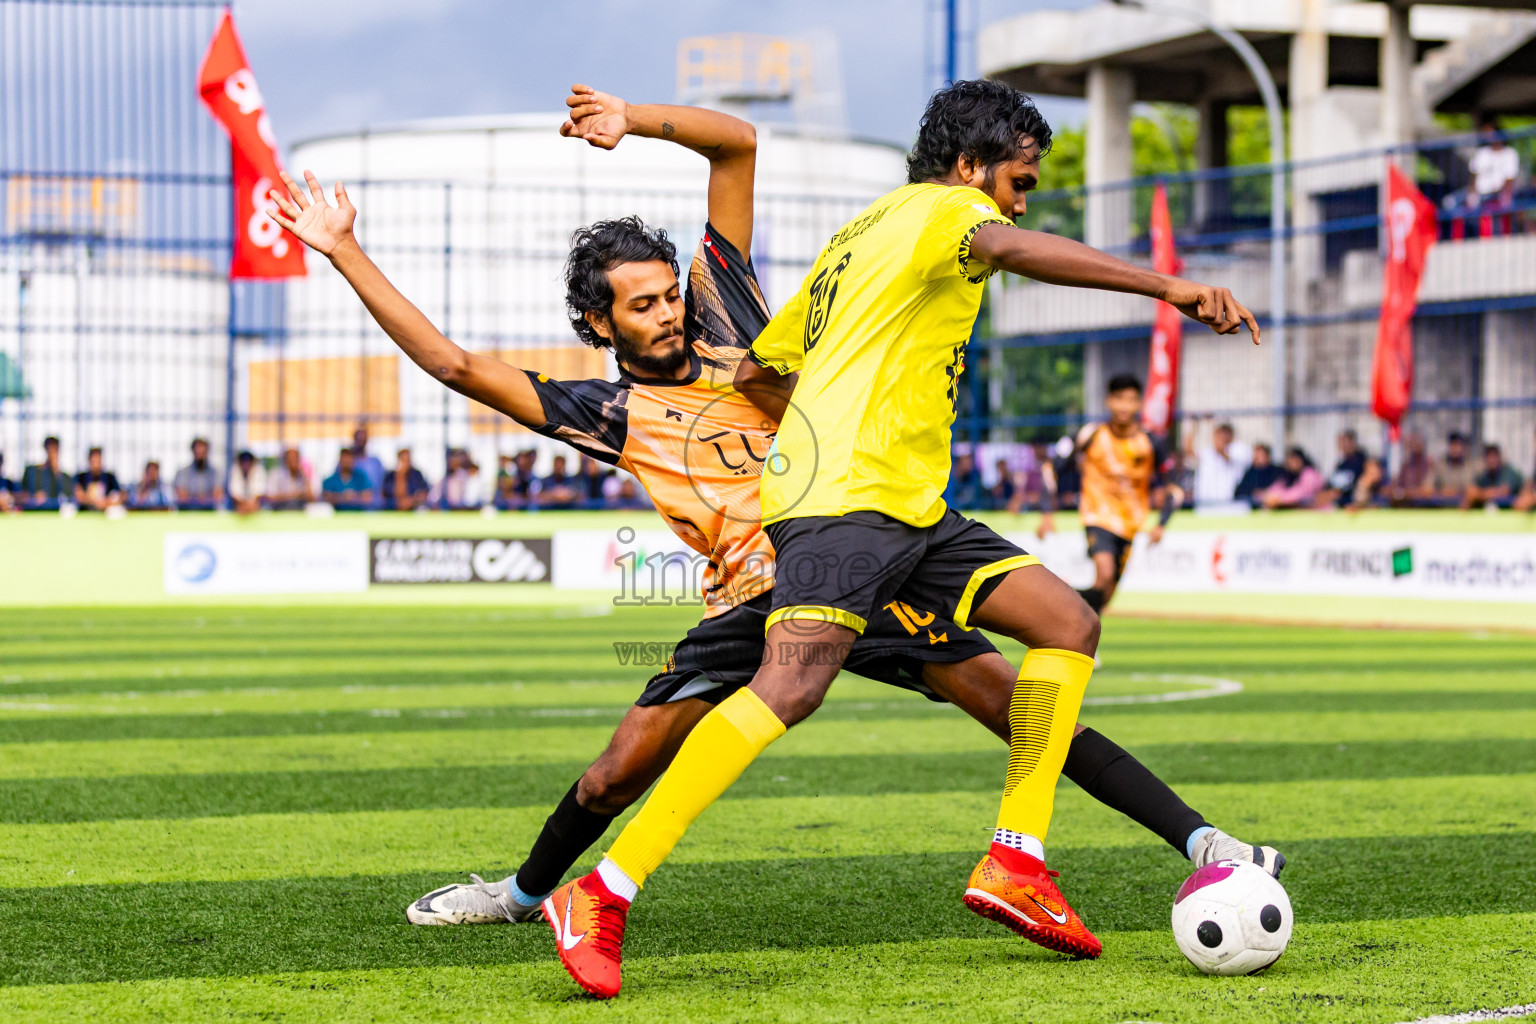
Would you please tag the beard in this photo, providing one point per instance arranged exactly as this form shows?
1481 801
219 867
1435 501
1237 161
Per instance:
645 363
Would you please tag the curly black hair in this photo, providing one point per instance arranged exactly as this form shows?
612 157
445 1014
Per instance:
981 119
1123 382
597 249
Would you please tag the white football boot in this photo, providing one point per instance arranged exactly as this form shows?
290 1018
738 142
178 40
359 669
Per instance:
480 902
1217 845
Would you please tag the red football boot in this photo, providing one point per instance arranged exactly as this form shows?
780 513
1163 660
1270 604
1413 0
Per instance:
1016 890
588 921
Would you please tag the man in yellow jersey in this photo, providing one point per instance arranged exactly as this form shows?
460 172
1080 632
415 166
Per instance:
851 499
1122 471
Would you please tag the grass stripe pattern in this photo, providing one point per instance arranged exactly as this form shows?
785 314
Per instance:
221 814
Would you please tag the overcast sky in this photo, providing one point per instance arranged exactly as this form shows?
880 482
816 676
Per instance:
337 65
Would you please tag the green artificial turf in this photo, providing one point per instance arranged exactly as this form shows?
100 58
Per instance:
220 814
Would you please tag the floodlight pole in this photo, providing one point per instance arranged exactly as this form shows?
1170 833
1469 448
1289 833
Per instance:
1276 117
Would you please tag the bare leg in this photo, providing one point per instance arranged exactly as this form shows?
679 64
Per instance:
641 749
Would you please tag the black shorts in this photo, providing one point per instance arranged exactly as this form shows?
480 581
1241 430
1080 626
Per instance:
1100 539
721 655
846 568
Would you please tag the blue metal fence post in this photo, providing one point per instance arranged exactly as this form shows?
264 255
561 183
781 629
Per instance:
229 317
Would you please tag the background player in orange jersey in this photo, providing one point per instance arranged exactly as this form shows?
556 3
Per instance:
1122 474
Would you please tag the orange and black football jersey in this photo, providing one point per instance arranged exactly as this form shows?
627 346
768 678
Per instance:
696 445
1118 476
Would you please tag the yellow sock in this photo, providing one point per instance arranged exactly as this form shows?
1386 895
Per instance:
1041 719
712 757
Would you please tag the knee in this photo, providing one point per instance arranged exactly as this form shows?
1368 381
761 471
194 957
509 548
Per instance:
798 705
605 788
1082 630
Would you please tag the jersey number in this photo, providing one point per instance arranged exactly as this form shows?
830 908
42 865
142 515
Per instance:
823 292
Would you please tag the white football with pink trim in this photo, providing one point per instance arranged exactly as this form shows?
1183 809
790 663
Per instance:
1231 917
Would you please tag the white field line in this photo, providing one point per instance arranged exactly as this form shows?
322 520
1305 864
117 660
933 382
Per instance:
1503 1013
1211 686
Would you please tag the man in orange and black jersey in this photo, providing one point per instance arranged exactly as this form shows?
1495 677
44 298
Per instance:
1122 478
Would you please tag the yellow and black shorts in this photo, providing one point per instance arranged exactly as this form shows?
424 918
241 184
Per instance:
844 568
1100 539
721 654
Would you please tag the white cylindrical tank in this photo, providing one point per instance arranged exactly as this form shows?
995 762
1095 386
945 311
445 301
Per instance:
471 218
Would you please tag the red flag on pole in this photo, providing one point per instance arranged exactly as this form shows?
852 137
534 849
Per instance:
228 88
1411 229
1167 328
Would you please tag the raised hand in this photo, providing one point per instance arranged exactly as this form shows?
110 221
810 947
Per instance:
602 120
314 221
1214 307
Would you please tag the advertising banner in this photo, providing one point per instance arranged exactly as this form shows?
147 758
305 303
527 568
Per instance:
276 562
408 560
1446 566
635 566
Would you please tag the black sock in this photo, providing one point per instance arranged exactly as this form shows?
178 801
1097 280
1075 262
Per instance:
1106 772
1094 597
567 834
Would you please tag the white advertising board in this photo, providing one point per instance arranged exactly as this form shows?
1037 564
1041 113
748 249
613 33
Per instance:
1443 566
635 566
275 562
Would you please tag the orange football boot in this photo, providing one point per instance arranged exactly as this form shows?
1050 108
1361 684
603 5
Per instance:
588 921
1015 889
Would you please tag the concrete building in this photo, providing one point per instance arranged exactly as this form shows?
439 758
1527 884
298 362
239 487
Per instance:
1355 78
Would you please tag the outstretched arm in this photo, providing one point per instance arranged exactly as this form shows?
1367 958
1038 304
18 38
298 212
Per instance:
1055 260
328 230
729 143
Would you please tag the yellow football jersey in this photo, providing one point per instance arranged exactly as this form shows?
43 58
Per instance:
877 333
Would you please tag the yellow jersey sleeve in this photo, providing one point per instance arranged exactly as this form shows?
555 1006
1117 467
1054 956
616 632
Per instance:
781 345
943 248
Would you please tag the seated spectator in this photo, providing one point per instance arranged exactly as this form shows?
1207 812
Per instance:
405 488
7 489
1299 483
1454 474
1498 484
1414 486
368 465
558 490
1261 474
288 486
1029 485
1066 479
151 492
1000 494
347 489
96 488
1219 466
247 484
1346 475
625 495
593 477
506 497
46 485
1526 502
460 486
965 490
197 486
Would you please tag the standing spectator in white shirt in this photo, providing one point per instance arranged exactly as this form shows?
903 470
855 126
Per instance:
1219 466
247 484
1495 172
1495 167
